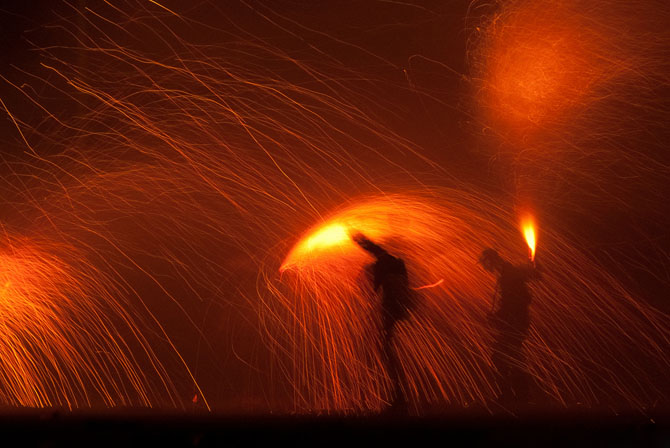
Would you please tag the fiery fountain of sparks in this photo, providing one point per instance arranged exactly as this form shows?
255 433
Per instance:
188 168
328 314
62 342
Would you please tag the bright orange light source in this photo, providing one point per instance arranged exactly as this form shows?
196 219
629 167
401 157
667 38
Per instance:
528 228
329 236
332 235
330 240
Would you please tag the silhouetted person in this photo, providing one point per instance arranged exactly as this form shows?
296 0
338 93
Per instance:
390 280
510 321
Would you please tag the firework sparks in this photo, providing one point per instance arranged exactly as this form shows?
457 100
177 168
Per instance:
169 177
188 168
445 345
566 89
61 333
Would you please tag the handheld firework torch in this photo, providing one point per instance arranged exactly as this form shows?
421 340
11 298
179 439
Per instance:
528 228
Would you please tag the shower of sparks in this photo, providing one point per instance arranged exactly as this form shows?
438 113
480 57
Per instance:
174 178
325 317
61 333
568 91
191 171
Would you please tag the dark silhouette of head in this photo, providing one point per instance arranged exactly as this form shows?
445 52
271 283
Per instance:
491 260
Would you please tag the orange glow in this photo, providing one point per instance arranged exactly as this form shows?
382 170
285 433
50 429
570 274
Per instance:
330 236
184 171
59 314
537 66
332 239
556 83
528 228
333 235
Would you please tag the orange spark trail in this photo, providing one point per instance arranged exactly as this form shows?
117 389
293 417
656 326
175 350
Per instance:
432 285
61 332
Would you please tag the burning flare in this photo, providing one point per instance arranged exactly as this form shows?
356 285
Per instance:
528 228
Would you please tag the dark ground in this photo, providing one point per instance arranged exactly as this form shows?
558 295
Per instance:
123 428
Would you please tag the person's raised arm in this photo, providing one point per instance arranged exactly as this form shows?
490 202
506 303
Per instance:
367 245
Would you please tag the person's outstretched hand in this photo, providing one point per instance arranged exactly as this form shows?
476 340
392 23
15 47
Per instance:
359 238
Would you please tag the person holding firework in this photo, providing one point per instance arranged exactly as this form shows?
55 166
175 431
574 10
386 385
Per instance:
390 280
510 320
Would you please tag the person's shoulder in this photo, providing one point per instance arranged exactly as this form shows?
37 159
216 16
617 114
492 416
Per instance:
392 262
